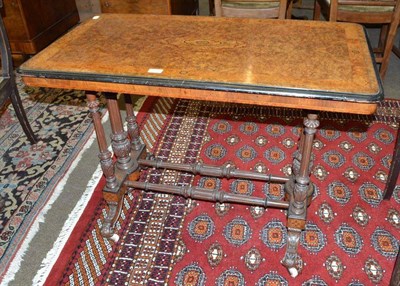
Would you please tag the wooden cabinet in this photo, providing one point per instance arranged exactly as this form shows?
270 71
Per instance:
159 7
32 25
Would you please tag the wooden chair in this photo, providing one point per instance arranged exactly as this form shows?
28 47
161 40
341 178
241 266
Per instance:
8 86
251 9
385 13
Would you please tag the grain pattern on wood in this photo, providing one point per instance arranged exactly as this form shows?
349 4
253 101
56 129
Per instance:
304 55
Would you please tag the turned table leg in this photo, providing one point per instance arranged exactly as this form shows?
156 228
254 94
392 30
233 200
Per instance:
110 191
121 146
299 194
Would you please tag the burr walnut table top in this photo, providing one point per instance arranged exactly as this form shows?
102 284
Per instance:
303 64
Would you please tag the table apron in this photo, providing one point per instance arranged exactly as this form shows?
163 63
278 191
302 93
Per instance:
211 95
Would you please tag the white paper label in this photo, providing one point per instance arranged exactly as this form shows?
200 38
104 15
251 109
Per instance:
155 71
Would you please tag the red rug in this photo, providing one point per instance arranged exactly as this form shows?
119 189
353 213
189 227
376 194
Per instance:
351 237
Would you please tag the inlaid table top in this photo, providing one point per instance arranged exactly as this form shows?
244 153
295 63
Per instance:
284 58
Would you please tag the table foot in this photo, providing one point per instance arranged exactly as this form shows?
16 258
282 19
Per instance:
293 272
115 199
107 229
290 260
115 202
114 237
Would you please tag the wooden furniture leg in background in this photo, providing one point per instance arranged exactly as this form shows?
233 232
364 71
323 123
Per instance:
20 112
394 170
299 192
395 279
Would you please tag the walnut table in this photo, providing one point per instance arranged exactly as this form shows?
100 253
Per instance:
315 66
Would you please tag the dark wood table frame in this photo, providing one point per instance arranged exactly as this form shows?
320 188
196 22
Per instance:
309 65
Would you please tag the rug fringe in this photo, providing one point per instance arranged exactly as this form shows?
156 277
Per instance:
53 254
73 218
35 227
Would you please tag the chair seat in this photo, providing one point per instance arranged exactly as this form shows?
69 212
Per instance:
250 5
259 9
363 8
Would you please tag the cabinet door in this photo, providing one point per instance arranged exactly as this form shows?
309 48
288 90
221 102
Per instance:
32 25
14 22
158 7
41 15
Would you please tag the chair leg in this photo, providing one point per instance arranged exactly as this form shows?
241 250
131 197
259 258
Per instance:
391 35
317 11
394 170
396 50
289 9
21 115
211 7
395 279
378 51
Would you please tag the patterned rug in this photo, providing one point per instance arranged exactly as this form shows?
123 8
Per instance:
30 173
351 238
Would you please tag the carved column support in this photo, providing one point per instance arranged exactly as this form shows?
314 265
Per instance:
133 128
297 154
297 157
120 142
108 168
121 147
302 180
105 156
110 192
296 162
299 192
